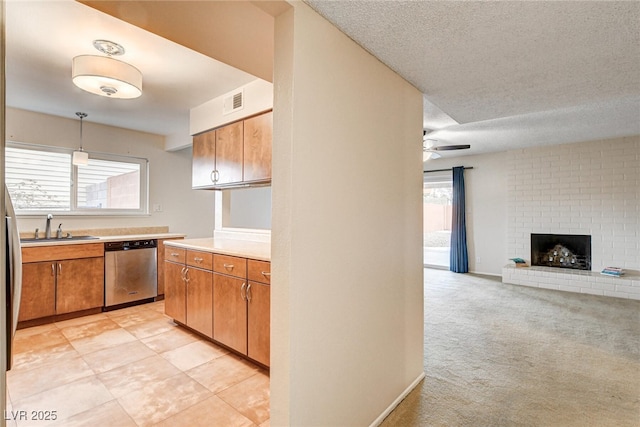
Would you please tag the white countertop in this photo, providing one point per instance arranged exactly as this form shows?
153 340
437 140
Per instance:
242 248
100 239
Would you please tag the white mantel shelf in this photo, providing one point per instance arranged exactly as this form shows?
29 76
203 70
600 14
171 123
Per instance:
583 282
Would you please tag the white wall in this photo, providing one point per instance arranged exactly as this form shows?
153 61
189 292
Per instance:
347 300
486 208
247 208
257 97
583 188
184 210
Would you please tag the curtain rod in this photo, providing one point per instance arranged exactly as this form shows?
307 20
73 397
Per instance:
444 170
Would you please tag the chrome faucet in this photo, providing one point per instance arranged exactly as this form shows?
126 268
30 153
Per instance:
47 230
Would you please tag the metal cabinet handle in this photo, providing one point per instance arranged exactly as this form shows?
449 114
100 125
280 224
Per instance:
211 176
175 254
186 275
198 259
183 272
243 292
217 175
249 293
53 269
228 266
266 274
59 268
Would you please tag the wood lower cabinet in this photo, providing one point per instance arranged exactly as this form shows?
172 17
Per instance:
230 307
200 300
188 295
38 291
175 293
80 285
160 263
226 298
258 322
61 279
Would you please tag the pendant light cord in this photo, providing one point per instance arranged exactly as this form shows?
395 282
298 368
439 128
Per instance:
81 116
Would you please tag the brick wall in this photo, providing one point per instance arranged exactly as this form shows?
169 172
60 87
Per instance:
581 188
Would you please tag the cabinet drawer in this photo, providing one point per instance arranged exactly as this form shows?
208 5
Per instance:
231 265
199 259
174 254
259 271
60 252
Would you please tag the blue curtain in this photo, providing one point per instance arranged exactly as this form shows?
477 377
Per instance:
458 259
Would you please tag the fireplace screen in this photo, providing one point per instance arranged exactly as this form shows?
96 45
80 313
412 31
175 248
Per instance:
561 250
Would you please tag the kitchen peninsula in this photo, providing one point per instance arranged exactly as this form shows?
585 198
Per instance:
220 288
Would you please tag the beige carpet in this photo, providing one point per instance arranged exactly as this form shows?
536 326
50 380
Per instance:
506 355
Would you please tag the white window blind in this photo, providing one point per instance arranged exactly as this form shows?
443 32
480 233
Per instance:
41 179
38 180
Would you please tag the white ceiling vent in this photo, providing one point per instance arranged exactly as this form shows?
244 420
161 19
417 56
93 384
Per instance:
233 102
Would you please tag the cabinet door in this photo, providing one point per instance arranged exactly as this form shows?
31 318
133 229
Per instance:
258 133
200 301
175 292
230 308
204 159
80 284
38 290
258 322
229 153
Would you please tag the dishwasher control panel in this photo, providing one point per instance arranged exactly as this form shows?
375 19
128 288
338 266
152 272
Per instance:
130 244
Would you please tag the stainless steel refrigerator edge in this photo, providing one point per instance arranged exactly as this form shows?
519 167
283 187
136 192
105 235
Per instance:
13 275
3 233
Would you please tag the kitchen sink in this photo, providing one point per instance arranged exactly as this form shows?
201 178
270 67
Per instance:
62 239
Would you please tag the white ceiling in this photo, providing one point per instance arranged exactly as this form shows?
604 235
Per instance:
507 75
43 36
495 75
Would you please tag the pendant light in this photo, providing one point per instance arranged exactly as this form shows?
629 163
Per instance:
80 157
105 76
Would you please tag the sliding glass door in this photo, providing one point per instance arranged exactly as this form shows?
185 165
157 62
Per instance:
437 197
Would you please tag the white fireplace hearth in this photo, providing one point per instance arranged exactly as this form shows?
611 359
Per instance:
579 281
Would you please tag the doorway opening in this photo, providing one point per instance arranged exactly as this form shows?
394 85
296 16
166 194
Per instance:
437 198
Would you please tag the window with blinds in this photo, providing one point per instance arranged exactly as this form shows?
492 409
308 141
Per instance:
41 179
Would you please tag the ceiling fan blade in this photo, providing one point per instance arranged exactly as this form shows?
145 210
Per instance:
451 147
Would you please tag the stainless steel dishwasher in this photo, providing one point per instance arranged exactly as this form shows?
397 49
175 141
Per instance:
131 271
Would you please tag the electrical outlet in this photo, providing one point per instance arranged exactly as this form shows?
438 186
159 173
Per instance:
477 260
157 207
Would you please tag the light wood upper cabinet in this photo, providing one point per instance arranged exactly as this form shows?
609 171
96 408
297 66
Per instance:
234 154
204 159
258 134
229 153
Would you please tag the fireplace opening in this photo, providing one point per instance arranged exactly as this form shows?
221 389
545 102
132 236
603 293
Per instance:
561 250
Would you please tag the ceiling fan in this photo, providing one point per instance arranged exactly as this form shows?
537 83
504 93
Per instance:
430 147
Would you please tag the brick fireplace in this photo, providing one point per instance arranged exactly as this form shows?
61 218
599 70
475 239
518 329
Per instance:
581 189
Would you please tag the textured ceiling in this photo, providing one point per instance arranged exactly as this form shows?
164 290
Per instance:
511 74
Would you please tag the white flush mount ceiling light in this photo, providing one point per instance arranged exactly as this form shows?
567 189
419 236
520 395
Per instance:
105 76
80 157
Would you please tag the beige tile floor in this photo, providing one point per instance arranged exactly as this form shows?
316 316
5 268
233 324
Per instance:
131 367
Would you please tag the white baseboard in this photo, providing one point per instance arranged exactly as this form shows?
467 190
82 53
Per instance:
396 402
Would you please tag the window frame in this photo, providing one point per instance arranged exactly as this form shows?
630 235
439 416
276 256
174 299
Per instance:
74 210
